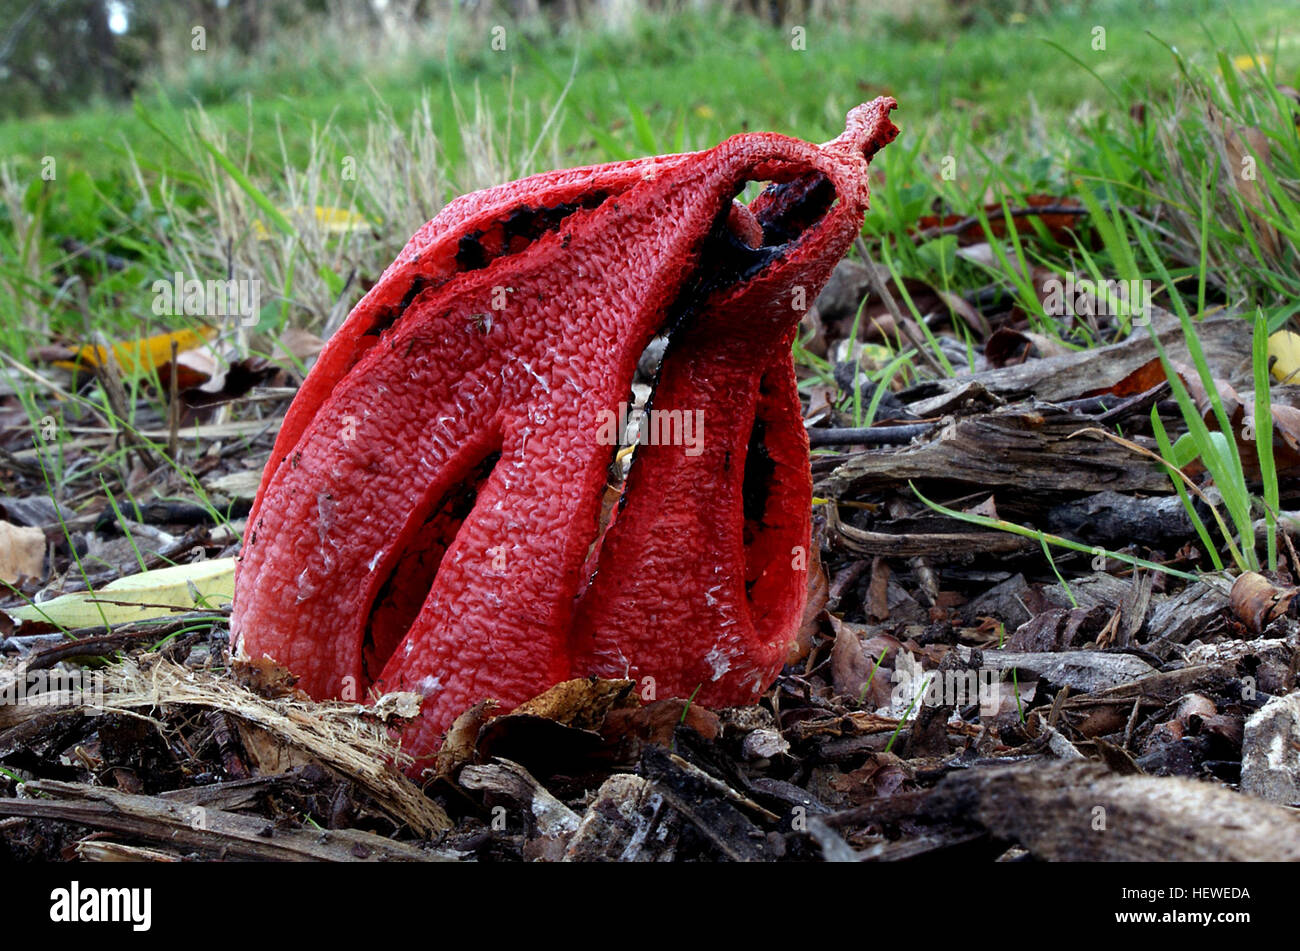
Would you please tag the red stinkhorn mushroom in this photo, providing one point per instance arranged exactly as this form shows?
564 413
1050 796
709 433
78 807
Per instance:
429 517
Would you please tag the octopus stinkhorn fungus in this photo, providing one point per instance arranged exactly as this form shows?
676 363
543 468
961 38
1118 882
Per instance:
430 517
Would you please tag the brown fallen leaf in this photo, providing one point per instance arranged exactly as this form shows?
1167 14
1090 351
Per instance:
458 746
1257 601
266 678
1007 347
1245 147
881 776
1057 214
581 703
1148 375
850 666
303 345
22 552
656 722
818 596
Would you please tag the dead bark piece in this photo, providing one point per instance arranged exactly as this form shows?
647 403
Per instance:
1098 588
226 735
628 821
1269 660
100 850
834 848
916 846
1270 751
1112 520
1054 740
214 832
944 546
89 643
1004 602
1059 630
240 795
1225 341
1081 671
1079 812
1029 449
1193 612
511 782
862 723
40 734
1108 710
763 744
707 803
1135 608
788 797
958 401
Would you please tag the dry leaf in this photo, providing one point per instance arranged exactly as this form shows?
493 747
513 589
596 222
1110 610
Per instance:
818 595
1058 223
459 743
303 345
581 703
1246 147
850 666
22 552
1257 601
163 592
137 356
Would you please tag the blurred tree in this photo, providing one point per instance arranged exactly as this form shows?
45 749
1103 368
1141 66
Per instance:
58 53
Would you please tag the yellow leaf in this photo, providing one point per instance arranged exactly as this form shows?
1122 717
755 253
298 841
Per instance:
341 220
1284 352
200 585
136 356
1250 62
331 221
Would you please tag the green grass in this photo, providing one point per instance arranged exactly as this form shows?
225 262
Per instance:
706 77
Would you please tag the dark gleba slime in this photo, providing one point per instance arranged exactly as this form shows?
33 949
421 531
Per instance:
430 517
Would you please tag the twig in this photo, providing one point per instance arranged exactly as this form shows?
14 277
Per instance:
904 324
869 435
960 226
115 393
173 408
1107 409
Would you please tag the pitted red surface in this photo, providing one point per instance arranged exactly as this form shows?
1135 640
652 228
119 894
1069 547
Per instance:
427 381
